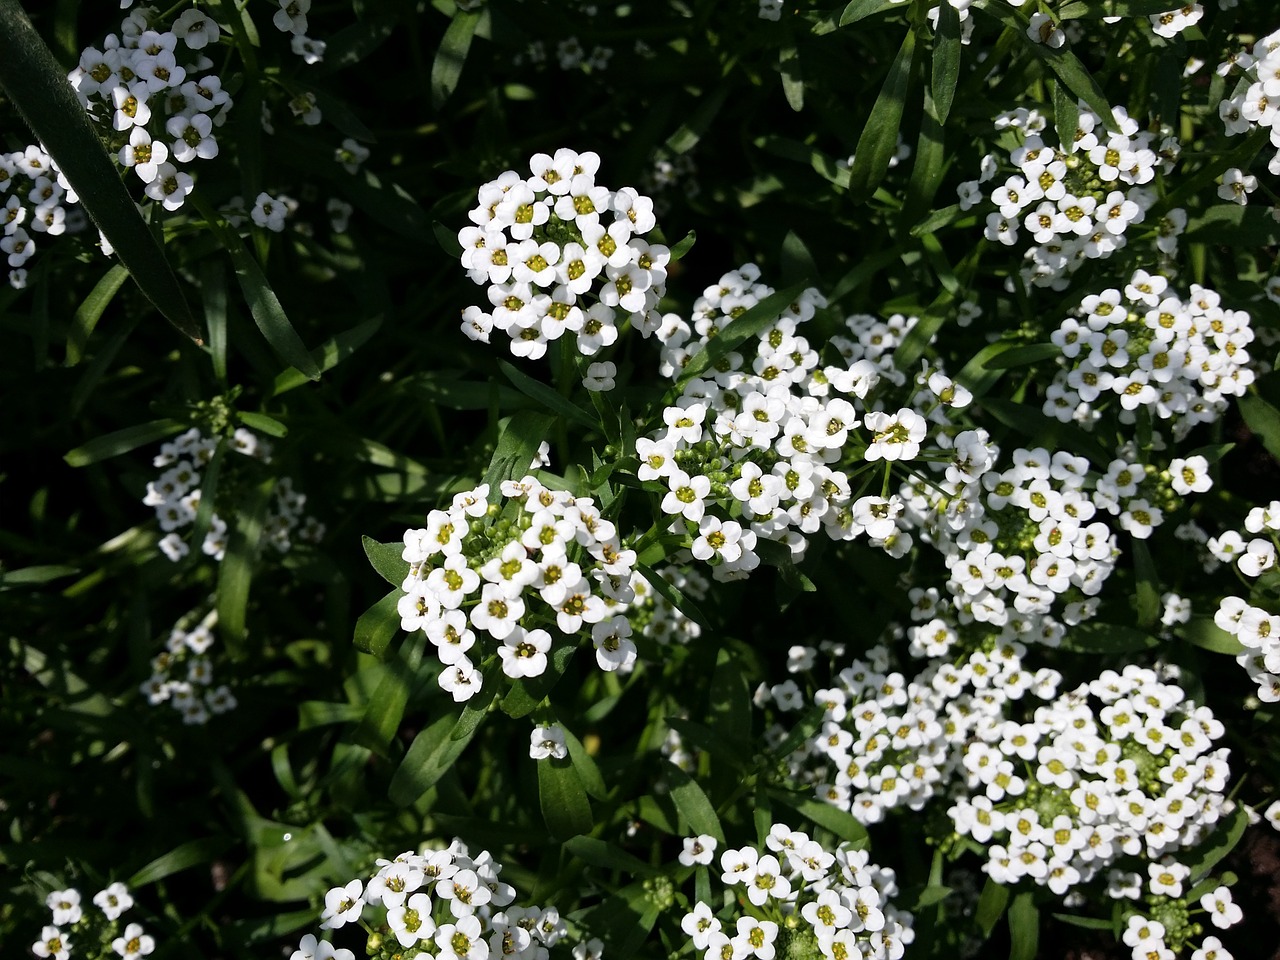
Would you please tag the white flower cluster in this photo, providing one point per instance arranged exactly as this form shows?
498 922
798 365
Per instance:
159 101
1138 776
1077 202
1257 629
561 254
1256 98
1044 28
543 557
772 437
175 495
444 904
36 192
95 929
887 742
1167 932
1146 345
182 675
843 899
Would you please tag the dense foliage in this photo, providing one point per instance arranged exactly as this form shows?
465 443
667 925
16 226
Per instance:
821 459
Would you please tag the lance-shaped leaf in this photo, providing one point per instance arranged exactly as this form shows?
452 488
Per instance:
880 136
38 87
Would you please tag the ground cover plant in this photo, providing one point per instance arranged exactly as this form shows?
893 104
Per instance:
708 478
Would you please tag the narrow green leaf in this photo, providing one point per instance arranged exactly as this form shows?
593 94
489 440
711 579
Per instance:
690 132
991 906
931 895
752 323
122 441
1235 226
90 311
693 804
935 221
527 693
213 291
262 423
1264 420
1147 584
385 709
879 137
389 204
861 9
1204 633
1088 923
588 772
1021 356
796 260
96 368
377 626
563 800
844 825
1066 113
599 853
1096 9
476 709
1213 452
387 559
1046 431
946 60
684 246
927 171
33 576
730 709
1095 637
1205 856
183 857
354 43
429 758
792 78
329 354
547 396
446 70
37 86
235 573
673 596
516 448
1024 927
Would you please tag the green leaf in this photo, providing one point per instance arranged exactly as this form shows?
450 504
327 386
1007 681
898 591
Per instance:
183 857
1024 927
446 70
388 203
684 246
792 78
730 709
1032 423
931 895
473 713
991 906
1088 923
526 693
429 758
1203 632
213 291
946 60
599 853
563 800
547 396
90 311
262 423
1205 856
377 626
879 137
588 772
690 132
1021 356
235 573
387 559
37 86
693 804
385 709
1095 637
1264 420
122 441
861 9
1213 452
1235 226
1066 113
796 260
1096 9
96 368
33 576
844 825
751 323
1147 585
516 448
329 354
669 593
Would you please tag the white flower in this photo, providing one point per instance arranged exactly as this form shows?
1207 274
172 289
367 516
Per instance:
144 155
547 742
196 29
52 943
700 925
600 377
342 905
894 436
292 16
114 900
699 849
1190 475
1222 911
614 648
134 943
524 652
269 212
169 187
1237 185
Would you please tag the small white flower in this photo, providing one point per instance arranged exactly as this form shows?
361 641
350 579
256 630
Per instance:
600 377
547 742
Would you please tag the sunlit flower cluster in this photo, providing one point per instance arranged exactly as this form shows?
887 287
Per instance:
1254 103
444 904
510 575
1149 348
94 933
1258 629
560 254
804 899
1077 202
175 495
